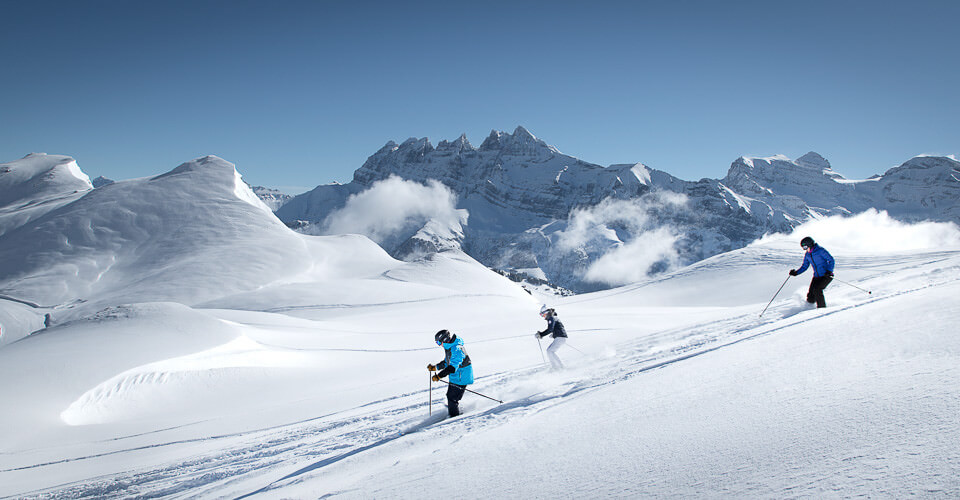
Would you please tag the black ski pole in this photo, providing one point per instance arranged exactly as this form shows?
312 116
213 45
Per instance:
431 393
775 295
475 392
539 343
855 286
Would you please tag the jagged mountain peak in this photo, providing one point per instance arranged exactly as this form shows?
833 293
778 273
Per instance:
813 160
415 142
415 150
460 144
389 146
102 181
493 141
523 142
523 134
412 150
520 142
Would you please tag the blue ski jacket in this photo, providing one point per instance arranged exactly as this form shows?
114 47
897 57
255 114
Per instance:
820 259
456 363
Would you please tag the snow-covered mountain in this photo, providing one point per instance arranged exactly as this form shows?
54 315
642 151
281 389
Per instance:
194 234
102 181
534 209
147 239
37 184
271 197
162 226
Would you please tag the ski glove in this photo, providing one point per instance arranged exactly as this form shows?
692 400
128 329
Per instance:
435 378
537 335
431 368
793 272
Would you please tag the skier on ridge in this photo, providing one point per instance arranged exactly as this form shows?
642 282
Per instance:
559 333
822 263
456 363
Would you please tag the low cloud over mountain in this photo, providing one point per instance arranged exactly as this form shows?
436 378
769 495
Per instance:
535 210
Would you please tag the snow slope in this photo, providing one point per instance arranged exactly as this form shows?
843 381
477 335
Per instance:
37 184
191 235
313 385
166 231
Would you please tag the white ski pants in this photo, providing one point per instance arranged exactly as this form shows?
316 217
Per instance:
552 352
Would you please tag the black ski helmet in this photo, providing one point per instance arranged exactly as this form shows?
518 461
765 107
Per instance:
444 337
807 242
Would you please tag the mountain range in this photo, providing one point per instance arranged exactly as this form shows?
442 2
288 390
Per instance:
538 213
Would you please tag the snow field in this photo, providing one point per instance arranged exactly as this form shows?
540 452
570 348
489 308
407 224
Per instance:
816 404
680 400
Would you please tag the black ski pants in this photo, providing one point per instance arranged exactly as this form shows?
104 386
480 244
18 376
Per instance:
815 294
454 395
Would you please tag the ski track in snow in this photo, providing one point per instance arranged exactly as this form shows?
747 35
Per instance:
262 460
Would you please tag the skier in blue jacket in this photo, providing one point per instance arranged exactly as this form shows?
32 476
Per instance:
822 262
456 363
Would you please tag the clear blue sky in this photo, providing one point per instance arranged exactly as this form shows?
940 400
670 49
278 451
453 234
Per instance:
298 94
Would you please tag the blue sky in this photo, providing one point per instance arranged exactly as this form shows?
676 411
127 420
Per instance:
298 94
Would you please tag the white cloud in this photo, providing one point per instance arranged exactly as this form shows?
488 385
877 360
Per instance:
391 206
873 232
603 226
590 223
632 261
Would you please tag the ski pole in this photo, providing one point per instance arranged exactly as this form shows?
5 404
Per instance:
774 296
539 343
475 392
575 349
855 286
430 404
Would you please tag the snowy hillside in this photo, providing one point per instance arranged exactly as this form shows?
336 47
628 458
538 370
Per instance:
313 382
37 184
534 210
194 234
190 234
